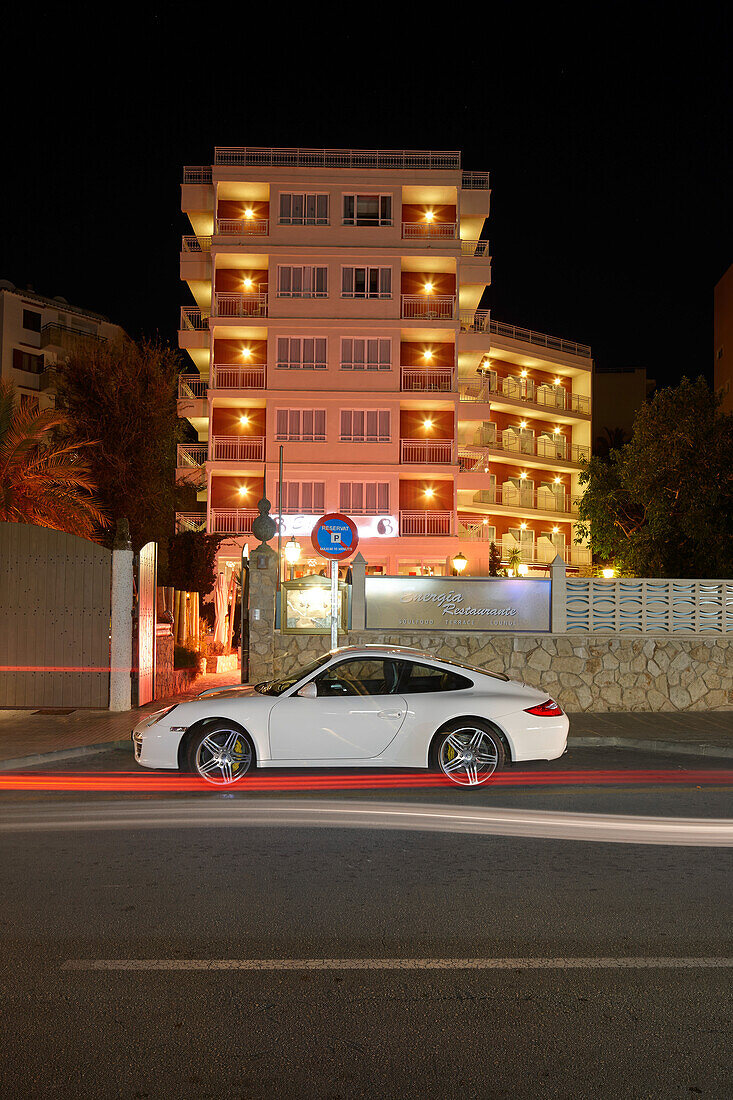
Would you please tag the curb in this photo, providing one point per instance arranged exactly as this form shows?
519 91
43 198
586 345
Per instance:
682 748
62 754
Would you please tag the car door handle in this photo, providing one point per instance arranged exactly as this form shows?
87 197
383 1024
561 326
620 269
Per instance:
389 714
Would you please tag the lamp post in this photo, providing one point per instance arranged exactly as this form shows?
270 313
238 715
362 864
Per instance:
459 563
292 554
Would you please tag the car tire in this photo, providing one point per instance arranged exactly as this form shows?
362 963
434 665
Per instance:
468 752
220 752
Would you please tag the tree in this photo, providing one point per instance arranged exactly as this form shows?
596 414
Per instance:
614 439
494 560
191 561
44 481
124 395
663 504
514 560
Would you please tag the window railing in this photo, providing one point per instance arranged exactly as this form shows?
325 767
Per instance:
428 451
195 244
426 379
192 386
193 320
237 448
242 227
240 305
426 523
544 552
232 521
233 377
433 307
430 230
191 455
67 336
190 521
388 159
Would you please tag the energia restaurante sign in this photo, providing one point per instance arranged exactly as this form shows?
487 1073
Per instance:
452 603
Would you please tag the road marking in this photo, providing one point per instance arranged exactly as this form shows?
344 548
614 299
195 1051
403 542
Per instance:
610 963
338 814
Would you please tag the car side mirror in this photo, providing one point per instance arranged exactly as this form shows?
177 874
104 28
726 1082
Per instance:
309 690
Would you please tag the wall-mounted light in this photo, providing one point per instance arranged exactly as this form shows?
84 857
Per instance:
522 423
427 355
523 474
427 424
429 215
428 288
243 490
523 373
485 522
557 480
522 526
555 530
246 353
429 492
249 213
556 382
248 283
555 431
244 420
459 563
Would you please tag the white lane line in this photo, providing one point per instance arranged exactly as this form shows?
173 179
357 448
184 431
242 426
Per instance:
610 963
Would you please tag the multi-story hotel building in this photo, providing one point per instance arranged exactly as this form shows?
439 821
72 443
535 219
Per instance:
338 315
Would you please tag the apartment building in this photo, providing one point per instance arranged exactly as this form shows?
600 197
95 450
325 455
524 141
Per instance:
337 314
36 332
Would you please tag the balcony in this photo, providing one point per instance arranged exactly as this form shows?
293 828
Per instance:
426 523
526 391
240 305
192 386
196 245
197 173
387 159
475 181
426 379
427 452
242 227
544 552
237 448
227 376
529 500
430 231
232 521
191 456
190 521
473 320
476 250
477 458
541 339
433 307
67 338
193 320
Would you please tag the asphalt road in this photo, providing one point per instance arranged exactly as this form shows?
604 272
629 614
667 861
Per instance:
546 1024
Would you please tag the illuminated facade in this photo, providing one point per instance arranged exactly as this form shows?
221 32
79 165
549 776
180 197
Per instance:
337 313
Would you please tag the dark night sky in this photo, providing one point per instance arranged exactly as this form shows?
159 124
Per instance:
608 146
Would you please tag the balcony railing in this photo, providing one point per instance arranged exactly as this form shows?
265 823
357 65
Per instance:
232 377
433 307
237 448
240 305
527 336
476 249
242 227
539 500
475 530
430 230
389 159
232 521
197 173
192 386
67 337
196 245
426 379
191 456
476 458
544 552
426 523
193 320
473 320
475 181
190 521
553 397
427 451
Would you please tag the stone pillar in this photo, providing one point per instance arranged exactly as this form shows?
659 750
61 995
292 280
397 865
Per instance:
120 683
358 586
262 585
558 612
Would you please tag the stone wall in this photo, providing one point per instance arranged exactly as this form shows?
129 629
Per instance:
593 673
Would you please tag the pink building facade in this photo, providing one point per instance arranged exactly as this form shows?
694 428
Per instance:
337 314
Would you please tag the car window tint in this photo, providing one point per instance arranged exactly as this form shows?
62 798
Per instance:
359 676
421 678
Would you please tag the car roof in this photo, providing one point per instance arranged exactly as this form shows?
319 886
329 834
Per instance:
372 649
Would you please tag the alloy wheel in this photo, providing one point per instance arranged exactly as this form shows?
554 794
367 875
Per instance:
468 756
223 757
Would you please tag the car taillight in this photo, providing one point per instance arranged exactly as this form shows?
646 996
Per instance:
548 709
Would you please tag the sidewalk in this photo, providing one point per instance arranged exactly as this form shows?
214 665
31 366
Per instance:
27 737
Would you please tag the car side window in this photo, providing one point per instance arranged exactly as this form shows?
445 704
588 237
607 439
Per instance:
358 676
423 678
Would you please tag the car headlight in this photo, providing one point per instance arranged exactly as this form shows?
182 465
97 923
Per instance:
156 716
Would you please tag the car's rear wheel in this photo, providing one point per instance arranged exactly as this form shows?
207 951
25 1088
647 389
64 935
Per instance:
469 754
221 754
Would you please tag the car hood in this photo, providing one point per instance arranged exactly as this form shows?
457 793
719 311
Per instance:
231 691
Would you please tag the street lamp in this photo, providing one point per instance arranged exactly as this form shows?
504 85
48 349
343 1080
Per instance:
292 554
459 563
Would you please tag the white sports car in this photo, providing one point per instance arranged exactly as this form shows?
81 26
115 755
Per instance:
359 706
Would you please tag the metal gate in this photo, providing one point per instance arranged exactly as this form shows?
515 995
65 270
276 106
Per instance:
54 619
146 582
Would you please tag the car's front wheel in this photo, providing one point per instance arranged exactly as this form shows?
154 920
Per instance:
221 754
469 754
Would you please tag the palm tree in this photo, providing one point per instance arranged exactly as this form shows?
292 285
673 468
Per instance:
44 481
514 560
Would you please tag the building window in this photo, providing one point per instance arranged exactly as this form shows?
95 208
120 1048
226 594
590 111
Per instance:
364 498
24 360
303 208
368 209
303 497
301 353
366 354
365 426
302 282
301 425
31 320
366 282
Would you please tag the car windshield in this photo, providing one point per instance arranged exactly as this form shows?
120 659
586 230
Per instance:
277 687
